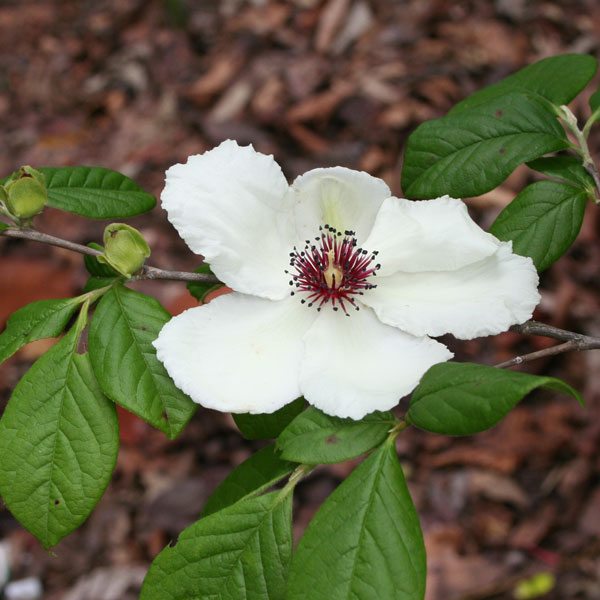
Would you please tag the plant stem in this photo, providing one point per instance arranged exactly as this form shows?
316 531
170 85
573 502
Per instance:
537 328
397 428
570 339
147 272
581 136
299 473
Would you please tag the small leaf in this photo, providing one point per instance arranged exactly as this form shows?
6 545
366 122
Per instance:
474 151
365 542
42 319
557 79
256 474
95 192
3 226
542 221
201 290
122 330
316 438
96 268
59 438
242 551
464 398
268 427
567 168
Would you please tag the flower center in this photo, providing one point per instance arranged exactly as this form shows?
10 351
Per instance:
332 269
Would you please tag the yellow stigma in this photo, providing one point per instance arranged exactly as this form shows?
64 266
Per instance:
333 274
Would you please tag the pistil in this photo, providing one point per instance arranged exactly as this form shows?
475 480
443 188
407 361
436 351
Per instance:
332 269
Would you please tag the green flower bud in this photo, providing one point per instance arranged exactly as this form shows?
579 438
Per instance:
534 587
125 250
26 193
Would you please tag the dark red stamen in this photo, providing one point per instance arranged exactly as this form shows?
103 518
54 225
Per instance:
332 269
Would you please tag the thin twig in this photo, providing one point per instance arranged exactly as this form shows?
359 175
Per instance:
570 339
537 328
146 273
154 273
44 238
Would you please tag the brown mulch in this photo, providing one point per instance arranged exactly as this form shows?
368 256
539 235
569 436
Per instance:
137 86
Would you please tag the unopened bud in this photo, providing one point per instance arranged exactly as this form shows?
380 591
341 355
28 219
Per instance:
26 193
125 250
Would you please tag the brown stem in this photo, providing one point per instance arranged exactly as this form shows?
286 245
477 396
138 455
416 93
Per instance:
146 273
44 238
570 339
536 328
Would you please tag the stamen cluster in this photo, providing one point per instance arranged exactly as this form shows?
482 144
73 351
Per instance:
332 269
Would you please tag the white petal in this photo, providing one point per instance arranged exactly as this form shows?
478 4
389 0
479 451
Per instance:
427 235
339 197
238 353
483 298
231 205
355 364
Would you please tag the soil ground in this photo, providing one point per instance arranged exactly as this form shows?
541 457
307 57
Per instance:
138 85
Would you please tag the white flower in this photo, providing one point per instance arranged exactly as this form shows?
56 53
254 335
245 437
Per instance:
337 285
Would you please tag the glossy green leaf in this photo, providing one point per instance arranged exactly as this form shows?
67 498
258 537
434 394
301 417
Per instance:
542 221
59 438
255 475
365 542
42 319
557 79
96 268
268 427
122 330
567 168
95 192
242 551
201 290
474 151
95 283
465 398
316 438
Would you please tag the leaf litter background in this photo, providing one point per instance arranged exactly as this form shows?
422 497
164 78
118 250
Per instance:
138 85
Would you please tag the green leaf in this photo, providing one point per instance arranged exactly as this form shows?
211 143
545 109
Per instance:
316 438
365 542
242 551
122 330
567 168
557 79
268 427
95 192
255 475
543 221
3 226
474 151
464 398
96 268
59 438
201 290
95 283
42 319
